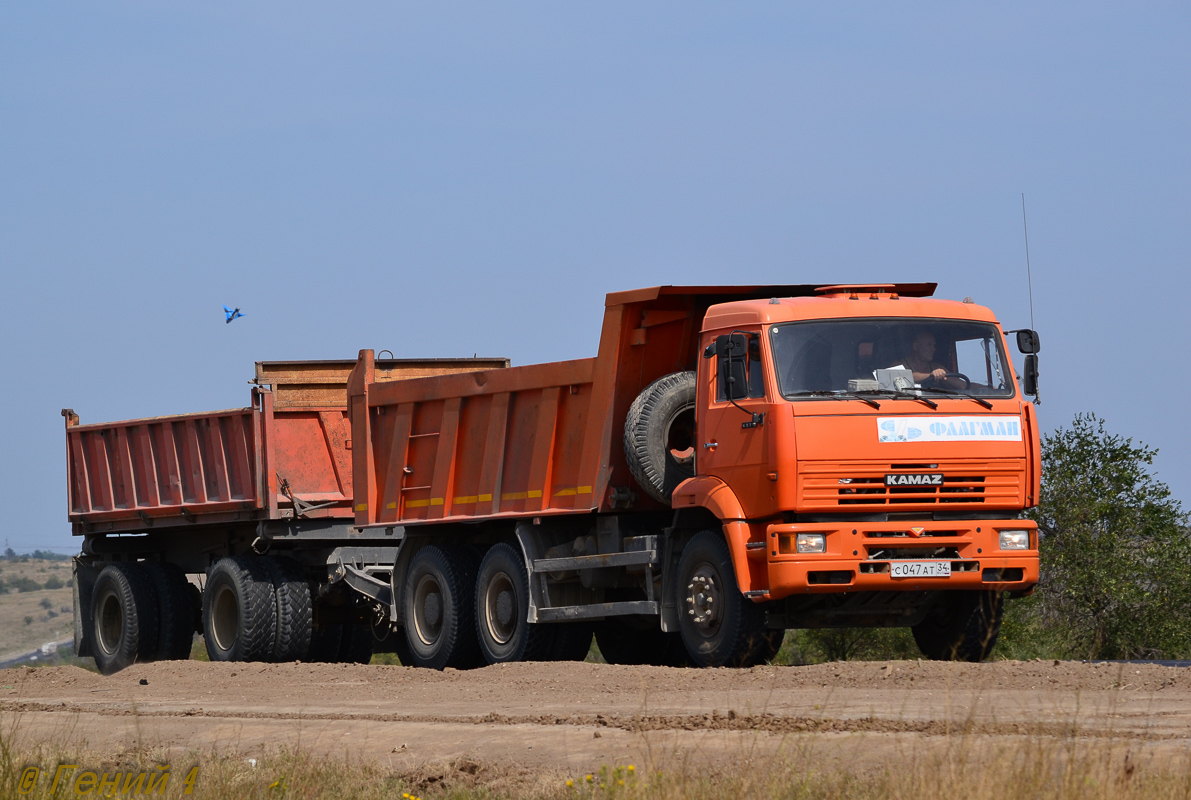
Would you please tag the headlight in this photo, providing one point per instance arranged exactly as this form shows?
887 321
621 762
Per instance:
1015 540
811 543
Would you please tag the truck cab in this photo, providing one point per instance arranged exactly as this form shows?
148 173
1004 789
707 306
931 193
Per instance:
859 441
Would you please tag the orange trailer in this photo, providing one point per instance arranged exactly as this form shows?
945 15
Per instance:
735 461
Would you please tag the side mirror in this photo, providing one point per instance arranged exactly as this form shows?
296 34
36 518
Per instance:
1029 381
1028 342
731 348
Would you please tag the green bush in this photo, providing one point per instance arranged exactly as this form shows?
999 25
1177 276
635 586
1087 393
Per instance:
23 584
1114 552
54 582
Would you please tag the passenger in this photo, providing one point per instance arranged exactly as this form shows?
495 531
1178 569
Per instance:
921 361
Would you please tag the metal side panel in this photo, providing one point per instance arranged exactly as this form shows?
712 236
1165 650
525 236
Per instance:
596 611
138 473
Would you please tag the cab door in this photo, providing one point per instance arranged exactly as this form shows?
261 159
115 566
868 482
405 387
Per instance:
732 441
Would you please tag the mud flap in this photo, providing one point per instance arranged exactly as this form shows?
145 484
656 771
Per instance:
84 582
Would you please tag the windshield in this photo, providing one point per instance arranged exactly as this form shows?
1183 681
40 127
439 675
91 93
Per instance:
935 356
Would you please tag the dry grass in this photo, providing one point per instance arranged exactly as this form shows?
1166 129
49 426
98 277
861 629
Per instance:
958 767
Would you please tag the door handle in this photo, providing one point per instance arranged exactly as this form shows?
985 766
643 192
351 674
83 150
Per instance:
710 445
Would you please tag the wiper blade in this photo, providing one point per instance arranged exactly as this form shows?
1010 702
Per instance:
979 400
841 395
904 393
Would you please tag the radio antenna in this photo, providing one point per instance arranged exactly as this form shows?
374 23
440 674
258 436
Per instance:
1029 278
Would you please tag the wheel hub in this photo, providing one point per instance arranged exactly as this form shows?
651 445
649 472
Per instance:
703 599
428 610
500 608
110 623
225 618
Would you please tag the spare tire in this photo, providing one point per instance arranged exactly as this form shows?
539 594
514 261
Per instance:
659 435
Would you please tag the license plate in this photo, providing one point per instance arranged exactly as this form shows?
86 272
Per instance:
920 569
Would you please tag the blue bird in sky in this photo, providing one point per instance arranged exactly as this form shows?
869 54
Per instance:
232 313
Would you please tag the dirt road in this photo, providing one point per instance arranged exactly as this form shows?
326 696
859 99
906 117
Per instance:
572 717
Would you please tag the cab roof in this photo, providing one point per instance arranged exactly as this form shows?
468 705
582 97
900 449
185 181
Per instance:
840 304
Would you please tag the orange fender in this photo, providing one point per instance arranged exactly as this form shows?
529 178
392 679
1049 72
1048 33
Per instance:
715 495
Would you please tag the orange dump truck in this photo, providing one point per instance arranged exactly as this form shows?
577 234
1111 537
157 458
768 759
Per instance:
734 462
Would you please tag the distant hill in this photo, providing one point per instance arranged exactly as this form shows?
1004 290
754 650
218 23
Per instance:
36 602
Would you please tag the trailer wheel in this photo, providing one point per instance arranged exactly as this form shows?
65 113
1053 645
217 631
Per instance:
659 435
124 614
239 611
719 626
325 642
295 613
175 610
356 645
571 641
639 641
962 626
502 606
438 608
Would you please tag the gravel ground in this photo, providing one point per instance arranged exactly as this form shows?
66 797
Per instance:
573 717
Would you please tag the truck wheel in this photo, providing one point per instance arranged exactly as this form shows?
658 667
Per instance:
356 645
659 435
571 641
295 611
439 608
239 611
639 641
502 606
719 626
764 647
325 641
962 626
124 614
401 648
175 610
395 643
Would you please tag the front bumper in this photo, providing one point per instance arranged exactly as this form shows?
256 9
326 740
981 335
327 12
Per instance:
859 554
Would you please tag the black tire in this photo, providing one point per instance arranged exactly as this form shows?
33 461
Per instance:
659 435
325 641
502 606
356 645
175 610
720 627
124 617
239 611
295 609
438 608
639 641
401 648
395 643
571 641
764 647
962 626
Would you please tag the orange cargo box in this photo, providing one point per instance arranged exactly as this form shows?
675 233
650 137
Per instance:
286 453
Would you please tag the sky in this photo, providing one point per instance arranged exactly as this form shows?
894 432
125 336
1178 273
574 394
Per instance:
443 179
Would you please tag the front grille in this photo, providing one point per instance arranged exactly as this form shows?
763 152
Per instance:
865 487
873 491
908 535
911 553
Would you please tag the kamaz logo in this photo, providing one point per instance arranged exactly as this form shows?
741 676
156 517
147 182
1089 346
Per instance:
911 479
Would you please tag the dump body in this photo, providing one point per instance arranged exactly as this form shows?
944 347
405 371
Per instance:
535 440
241 465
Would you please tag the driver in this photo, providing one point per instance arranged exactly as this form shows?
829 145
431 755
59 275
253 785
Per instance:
922 363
